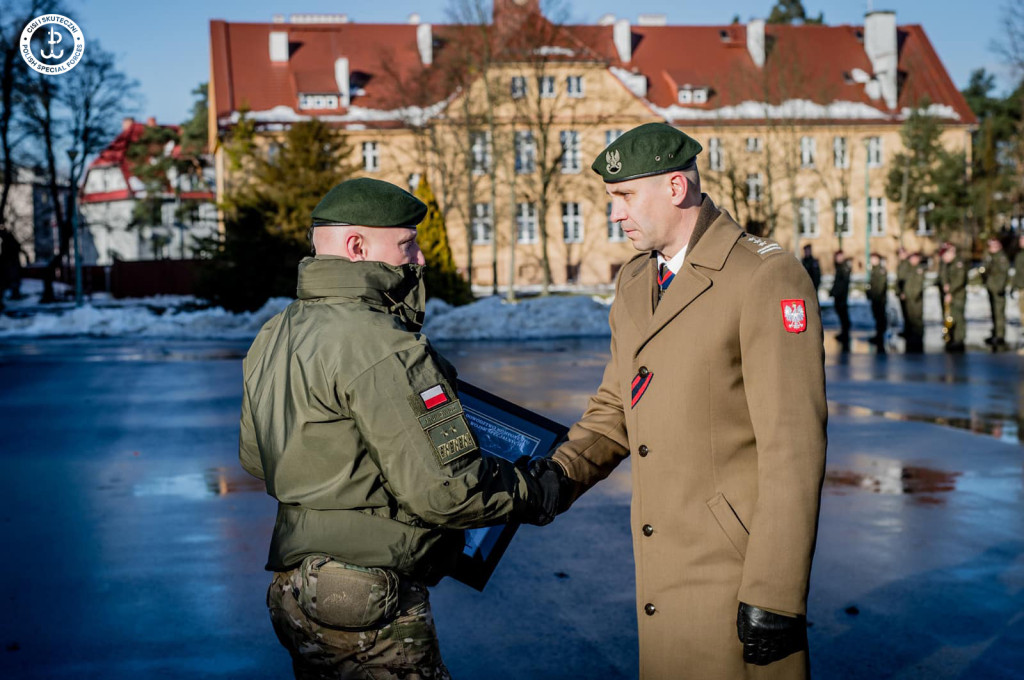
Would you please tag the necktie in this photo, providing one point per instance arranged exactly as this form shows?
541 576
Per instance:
665 276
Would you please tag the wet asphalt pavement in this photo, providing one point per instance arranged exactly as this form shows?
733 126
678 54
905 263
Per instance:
135 544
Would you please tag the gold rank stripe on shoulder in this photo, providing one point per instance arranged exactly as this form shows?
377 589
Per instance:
760 246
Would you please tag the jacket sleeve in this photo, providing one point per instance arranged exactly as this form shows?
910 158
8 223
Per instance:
784 379
248 450
455 487
598 442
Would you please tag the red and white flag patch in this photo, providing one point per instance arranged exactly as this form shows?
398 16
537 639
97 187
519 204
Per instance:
794 316
435 396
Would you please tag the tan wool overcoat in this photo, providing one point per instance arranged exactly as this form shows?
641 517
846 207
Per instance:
718 392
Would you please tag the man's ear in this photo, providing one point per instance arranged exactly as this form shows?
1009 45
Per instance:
355 247
679 186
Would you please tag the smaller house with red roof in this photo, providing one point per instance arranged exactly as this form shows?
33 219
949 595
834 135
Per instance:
114 228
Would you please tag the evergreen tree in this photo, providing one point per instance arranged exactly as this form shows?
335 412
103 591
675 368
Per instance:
791 12
925 177
441 277
267 211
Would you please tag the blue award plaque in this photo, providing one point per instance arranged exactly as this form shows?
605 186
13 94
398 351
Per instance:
501 429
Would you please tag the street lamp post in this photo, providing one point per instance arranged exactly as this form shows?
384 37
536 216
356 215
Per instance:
72 154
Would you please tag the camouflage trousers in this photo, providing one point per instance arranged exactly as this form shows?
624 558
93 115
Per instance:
404 649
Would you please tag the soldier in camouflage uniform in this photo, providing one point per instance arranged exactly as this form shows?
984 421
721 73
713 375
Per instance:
995 273
953 278
352 420
1018 286
878 287
912 298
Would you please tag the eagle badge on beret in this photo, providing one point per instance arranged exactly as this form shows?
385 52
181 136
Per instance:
614 163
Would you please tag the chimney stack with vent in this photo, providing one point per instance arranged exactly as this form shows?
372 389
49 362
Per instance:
755 41
341 76
425 41
279 47
623 37
880 46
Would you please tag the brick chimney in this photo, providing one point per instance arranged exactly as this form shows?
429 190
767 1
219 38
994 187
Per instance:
127 123
880 44
755 41
151 121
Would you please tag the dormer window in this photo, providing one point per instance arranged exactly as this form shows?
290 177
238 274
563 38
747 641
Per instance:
693 95
318 101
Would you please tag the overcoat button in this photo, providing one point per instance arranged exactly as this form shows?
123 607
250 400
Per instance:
643 371
648 530
649 609
643 450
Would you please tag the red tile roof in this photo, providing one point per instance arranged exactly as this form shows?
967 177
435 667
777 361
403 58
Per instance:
116 155
811 63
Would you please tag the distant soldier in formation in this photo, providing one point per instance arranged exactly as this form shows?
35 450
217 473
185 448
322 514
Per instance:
902 268
953 281
1018 285
878 285
810 263
912 299
840 293
995 273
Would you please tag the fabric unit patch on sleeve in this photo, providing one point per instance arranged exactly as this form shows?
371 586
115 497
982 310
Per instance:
794 316
433 397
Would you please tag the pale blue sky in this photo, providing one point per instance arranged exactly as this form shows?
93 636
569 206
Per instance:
165 46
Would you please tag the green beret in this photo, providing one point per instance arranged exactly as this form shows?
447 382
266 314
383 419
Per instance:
651 149
370 203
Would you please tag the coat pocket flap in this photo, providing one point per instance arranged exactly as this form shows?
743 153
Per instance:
730 523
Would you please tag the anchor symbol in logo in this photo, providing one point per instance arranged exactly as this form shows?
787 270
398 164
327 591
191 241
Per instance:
54 38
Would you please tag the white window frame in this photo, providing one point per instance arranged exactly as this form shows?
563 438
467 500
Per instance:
807 149
526 222
572 222
572 153
575 87
840 152
482 224
924 225
716 155
685 95
700 95
843 219
755 144
546 87
611 135
876 215
413 181
318 101
875 155
371 157
518 87
755 187
480 145
526 152
809 218
615 232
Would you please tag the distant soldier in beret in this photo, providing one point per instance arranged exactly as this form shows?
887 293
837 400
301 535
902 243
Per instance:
810 263
840 293
878 295
953 276
912 298
352 420
716 386
1018 286
995 273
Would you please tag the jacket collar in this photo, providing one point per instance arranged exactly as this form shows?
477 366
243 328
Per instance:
394 289
714 235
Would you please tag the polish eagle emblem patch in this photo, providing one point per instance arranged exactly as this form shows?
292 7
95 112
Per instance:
614 162
794 316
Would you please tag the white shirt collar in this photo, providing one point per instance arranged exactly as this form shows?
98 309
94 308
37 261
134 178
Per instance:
676 263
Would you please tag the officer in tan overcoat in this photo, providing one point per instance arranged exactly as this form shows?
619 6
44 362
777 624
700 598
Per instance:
716 386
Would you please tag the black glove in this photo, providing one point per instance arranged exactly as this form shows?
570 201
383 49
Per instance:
551 483
768 637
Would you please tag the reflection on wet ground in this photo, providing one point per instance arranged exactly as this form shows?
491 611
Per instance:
892 477
214 482
1005 428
